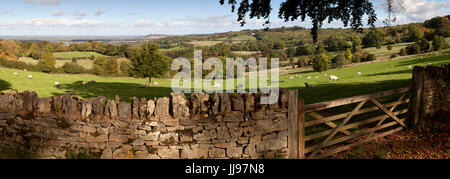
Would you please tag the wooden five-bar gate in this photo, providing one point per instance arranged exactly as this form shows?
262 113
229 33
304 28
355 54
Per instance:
322 129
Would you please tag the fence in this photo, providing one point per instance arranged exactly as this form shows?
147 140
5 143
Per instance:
320 136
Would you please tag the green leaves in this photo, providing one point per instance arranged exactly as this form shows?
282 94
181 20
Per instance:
149 62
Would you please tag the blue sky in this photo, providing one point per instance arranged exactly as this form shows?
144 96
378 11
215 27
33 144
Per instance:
142 17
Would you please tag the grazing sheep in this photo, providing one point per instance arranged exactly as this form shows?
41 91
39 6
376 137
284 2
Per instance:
30 76
309 85
142 85
93 81
25 70
410 66
216 86
316 77
56 84
291 78
333 78
84 83
308 78
359 73
155 83
15 74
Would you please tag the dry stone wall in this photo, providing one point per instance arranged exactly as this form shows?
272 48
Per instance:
431 95
202 126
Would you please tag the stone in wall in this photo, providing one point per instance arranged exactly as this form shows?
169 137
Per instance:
162 108
143 109
179 107
124 110
225 103
215 102
98 105
249 102
150 107
135 108
238 102
199 103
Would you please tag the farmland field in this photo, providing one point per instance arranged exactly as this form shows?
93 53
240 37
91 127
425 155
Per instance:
75 54
205 43
376 77
85 63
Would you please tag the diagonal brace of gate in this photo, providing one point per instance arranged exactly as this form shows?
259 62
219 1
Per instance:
337 129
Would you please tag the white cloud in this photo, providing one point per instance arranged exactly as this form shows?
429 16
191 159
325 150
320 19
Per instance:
58 13
79 15
99 12
39 22
416 10
44 2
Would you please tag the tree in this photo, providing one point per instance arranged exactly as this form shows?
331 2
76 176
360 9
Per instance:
47 62
290 52
305 50
8 50
35 51
347 11
439 43
373 39
349 55
424 44
321 63
341 60
112 67
149 62
441 25
125 68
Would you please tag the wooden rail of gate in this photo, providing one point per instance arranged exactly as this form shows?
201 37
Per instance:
386 124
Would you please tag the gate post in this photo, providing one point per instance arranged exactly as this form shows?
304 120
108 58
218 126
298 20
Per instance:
301 129
293 132
416 96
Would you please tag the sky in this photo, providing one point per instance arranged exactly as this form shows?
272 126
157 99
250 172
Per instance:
172 17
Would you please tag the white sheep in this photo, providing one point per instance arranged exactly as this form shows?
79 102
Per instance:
30 76
359 73
56 84
308 78
155 83
217 85
93 81
410 66
84 83
316 77
142 85
333 78
15 74
291 78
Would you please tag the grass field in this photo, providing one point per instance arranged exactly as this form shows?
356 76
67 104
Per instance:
243 38
205 43
70 55
376 77
85 63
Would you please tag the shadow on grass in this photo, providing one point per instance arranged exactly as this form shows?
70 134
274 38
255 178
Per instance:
4 85
126 91
327 92
435 60
321 92
409 71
